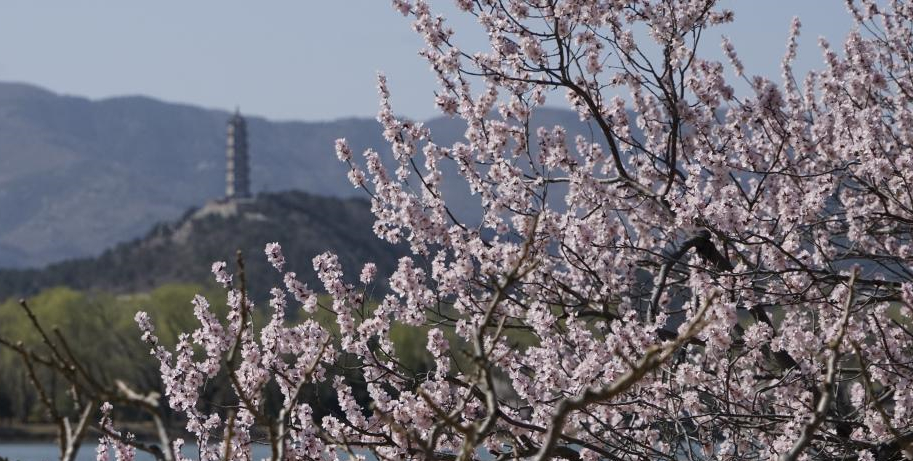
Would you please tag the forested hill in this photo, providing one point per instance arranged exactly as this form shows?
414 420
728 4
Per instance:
183 251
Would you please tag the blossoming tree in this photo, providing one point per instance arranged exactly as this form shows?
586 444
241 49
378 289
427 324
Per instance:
709 274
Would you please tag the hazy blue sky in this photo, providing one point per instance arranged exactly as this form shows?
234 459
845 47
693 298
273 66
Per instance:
296 59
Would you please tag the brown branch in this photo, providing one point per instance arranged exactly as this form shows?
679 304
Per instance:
74 437
654 357
826 388
904 443
705 249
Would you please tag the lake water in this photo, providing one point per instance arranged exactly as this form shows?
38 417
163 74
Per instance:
49 452
43 451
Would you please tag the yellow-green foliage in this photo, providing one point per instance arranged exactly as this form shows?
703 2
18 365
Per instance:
99 328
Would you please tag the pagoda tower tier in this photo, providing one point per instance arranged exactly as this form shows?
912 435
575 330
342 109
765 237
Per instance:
237 170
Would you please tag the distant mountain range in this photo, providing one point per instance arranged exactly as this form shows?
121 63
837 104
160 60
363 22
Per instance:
78 176
183 250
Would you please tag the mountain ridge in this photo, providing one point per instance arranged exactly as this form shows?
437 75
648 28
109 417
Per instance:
79 175
66 162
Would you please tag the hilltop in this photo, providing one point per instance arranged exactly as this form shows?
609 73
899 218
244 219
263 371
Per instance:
183 250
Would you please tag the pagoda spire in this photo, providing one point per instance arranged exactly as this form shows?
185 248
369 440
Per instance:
237 178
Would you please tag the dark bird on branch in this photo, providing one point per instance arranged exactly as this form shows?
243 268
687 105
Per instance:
708 252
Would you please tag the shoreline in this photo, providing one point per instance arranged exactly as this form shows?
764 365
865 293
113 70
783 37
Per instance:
47 432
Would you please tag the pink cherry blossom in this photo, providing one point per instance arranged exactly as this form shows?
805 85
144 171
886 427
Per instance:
693 272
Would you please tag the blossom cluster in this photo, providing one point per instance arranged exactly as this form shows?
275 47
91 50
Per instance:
697 273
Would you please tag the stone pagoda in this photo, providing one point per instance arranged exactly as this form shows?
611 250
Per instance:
237 169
